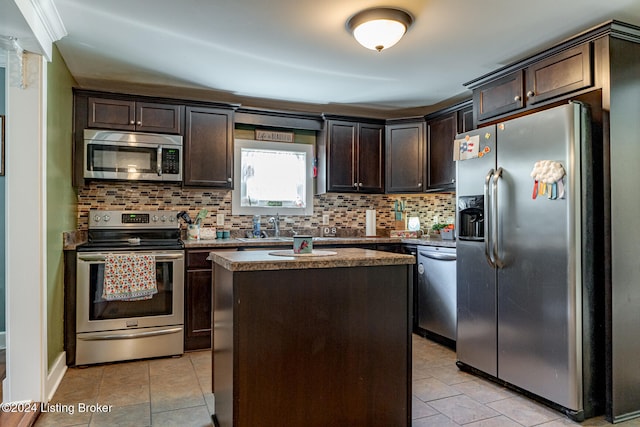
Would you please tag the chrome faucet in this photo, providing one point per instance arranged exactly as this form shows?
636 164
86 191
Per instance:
275 220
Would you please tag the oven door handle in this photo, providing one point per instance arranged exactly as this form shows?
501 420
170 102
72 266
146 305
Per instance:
129 336
98 258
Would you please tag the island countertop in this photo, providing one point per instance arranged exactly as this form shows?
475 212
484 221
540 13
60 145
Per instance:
344 257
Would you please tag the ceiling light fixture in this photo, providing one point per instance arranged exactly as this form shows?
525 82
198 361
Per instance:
379 28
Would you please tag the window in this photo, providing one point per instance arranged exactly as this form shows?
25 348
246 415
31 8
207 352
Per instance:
273 177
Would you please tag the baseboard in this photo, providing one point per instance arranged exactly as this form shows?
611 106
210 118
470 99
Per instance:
56 373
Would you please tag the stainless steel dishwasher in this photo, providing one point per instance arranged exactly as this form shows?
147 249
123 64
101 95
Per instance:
437 291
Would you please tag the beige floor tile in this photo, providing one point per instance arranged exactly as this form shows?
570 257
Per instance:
431 389
175 392
420 409
483 391
434 421
525 411
189 417
63 419
126 393
449 374
171 366
463 409
123 416
500 421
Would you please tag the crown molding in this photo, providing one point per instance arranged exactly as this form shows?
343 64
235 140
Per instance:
50 18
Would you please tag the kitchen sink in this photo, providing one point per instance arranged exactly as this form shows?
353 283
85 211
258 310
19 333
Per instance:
264 239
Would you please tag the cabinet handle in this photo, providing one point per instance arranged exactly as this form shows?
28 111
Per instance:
359 184
228 179
132 122
355 184
517 98
139 123
419 184
530 93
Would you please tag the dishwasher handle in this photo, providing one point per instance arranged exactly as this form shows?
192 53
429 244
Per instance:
438 256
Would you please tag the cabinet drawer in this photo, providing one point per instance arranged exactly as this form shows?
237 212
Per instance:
559 74
198 259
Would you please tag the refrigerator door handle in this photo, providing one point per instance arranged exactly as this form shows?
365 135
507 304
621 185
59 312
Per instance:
488 218
494 219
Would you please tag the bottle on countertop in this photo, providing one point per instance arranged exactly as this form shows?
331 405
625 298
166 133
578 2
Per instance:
256 226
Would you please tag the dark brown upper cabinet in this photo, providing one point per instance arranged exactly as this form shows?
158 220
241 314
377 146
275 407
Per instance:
208 146
355 157
442 128
546 79
405 153
132 115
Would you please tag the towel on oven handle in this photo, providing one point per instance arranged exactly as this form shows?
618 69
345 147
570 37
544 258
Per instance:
129 277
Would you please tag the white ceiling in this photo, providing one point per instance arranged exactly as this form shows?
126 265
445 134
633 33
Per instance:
300 50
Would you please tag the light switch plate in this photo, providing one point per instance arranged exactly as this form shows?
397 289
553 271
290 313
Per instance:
220 219
325 219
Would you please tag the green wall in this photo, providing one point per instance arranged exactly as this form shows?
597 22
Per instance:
61 196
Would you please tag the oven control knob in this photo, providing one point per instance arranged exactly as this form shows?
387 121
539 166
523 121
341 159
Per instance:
172 219
96 218
155 218
107 218
163 218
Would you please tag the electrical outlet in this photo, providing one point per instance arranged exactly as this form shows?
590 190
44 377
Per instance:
220 219
435 219
325 219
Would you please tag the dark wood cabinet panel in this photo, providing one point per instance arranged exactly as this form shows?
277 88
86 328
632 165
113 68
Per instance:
441 170
115 114
208 147
341 160
405 160
371 158
465 119
122 114
500 96
559 74
547 78
160 118
355 157
198 290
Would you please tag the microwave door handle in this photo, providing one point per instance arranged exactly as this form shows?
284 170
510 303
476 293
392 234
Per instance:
159 161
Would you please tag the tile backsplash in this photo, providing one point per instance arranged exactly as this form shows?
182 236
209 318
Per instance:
345 210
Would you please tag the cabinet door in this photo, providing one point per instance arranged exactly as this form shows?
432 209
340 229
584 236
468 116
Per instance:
341 147
208 147
465 120
198 310
370 176
112 114
405 158
160 118
560 74
441 171
500 96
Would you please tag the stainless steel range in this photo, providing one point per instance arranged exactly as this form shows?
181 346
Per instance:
110 327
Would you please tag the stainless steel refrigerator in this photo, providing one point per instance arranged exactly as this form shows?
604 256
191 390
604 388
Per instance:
529 283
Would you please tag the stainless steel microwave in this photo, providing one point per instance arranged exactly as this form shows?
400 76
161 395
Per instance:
132 156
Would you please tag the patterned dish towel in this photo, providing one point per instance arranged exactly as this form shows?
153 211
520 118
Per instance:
129 277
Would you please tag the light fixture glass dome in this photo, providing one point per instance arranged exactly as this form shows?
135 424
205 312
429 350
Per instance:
379 28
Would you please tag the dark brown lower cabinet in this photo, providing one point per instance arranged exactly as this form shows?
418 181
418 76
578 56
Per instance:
313 347
197 301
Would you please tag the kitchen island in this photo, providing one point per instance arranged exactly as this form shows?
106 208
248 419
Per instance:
312 340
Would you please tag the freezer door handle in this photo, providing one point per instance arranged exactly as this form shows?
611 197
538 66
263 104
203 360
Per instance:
488 218
494 219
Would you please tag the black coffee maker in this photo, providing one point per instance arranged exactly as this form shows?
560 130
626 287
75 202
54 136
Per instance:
471 218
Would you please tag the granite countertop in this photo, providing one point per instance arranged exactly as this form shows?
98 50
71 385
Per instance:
317 241
344 257
72 239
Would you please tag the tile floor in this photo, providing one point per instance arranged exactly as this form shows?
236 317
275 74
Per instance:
176 392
